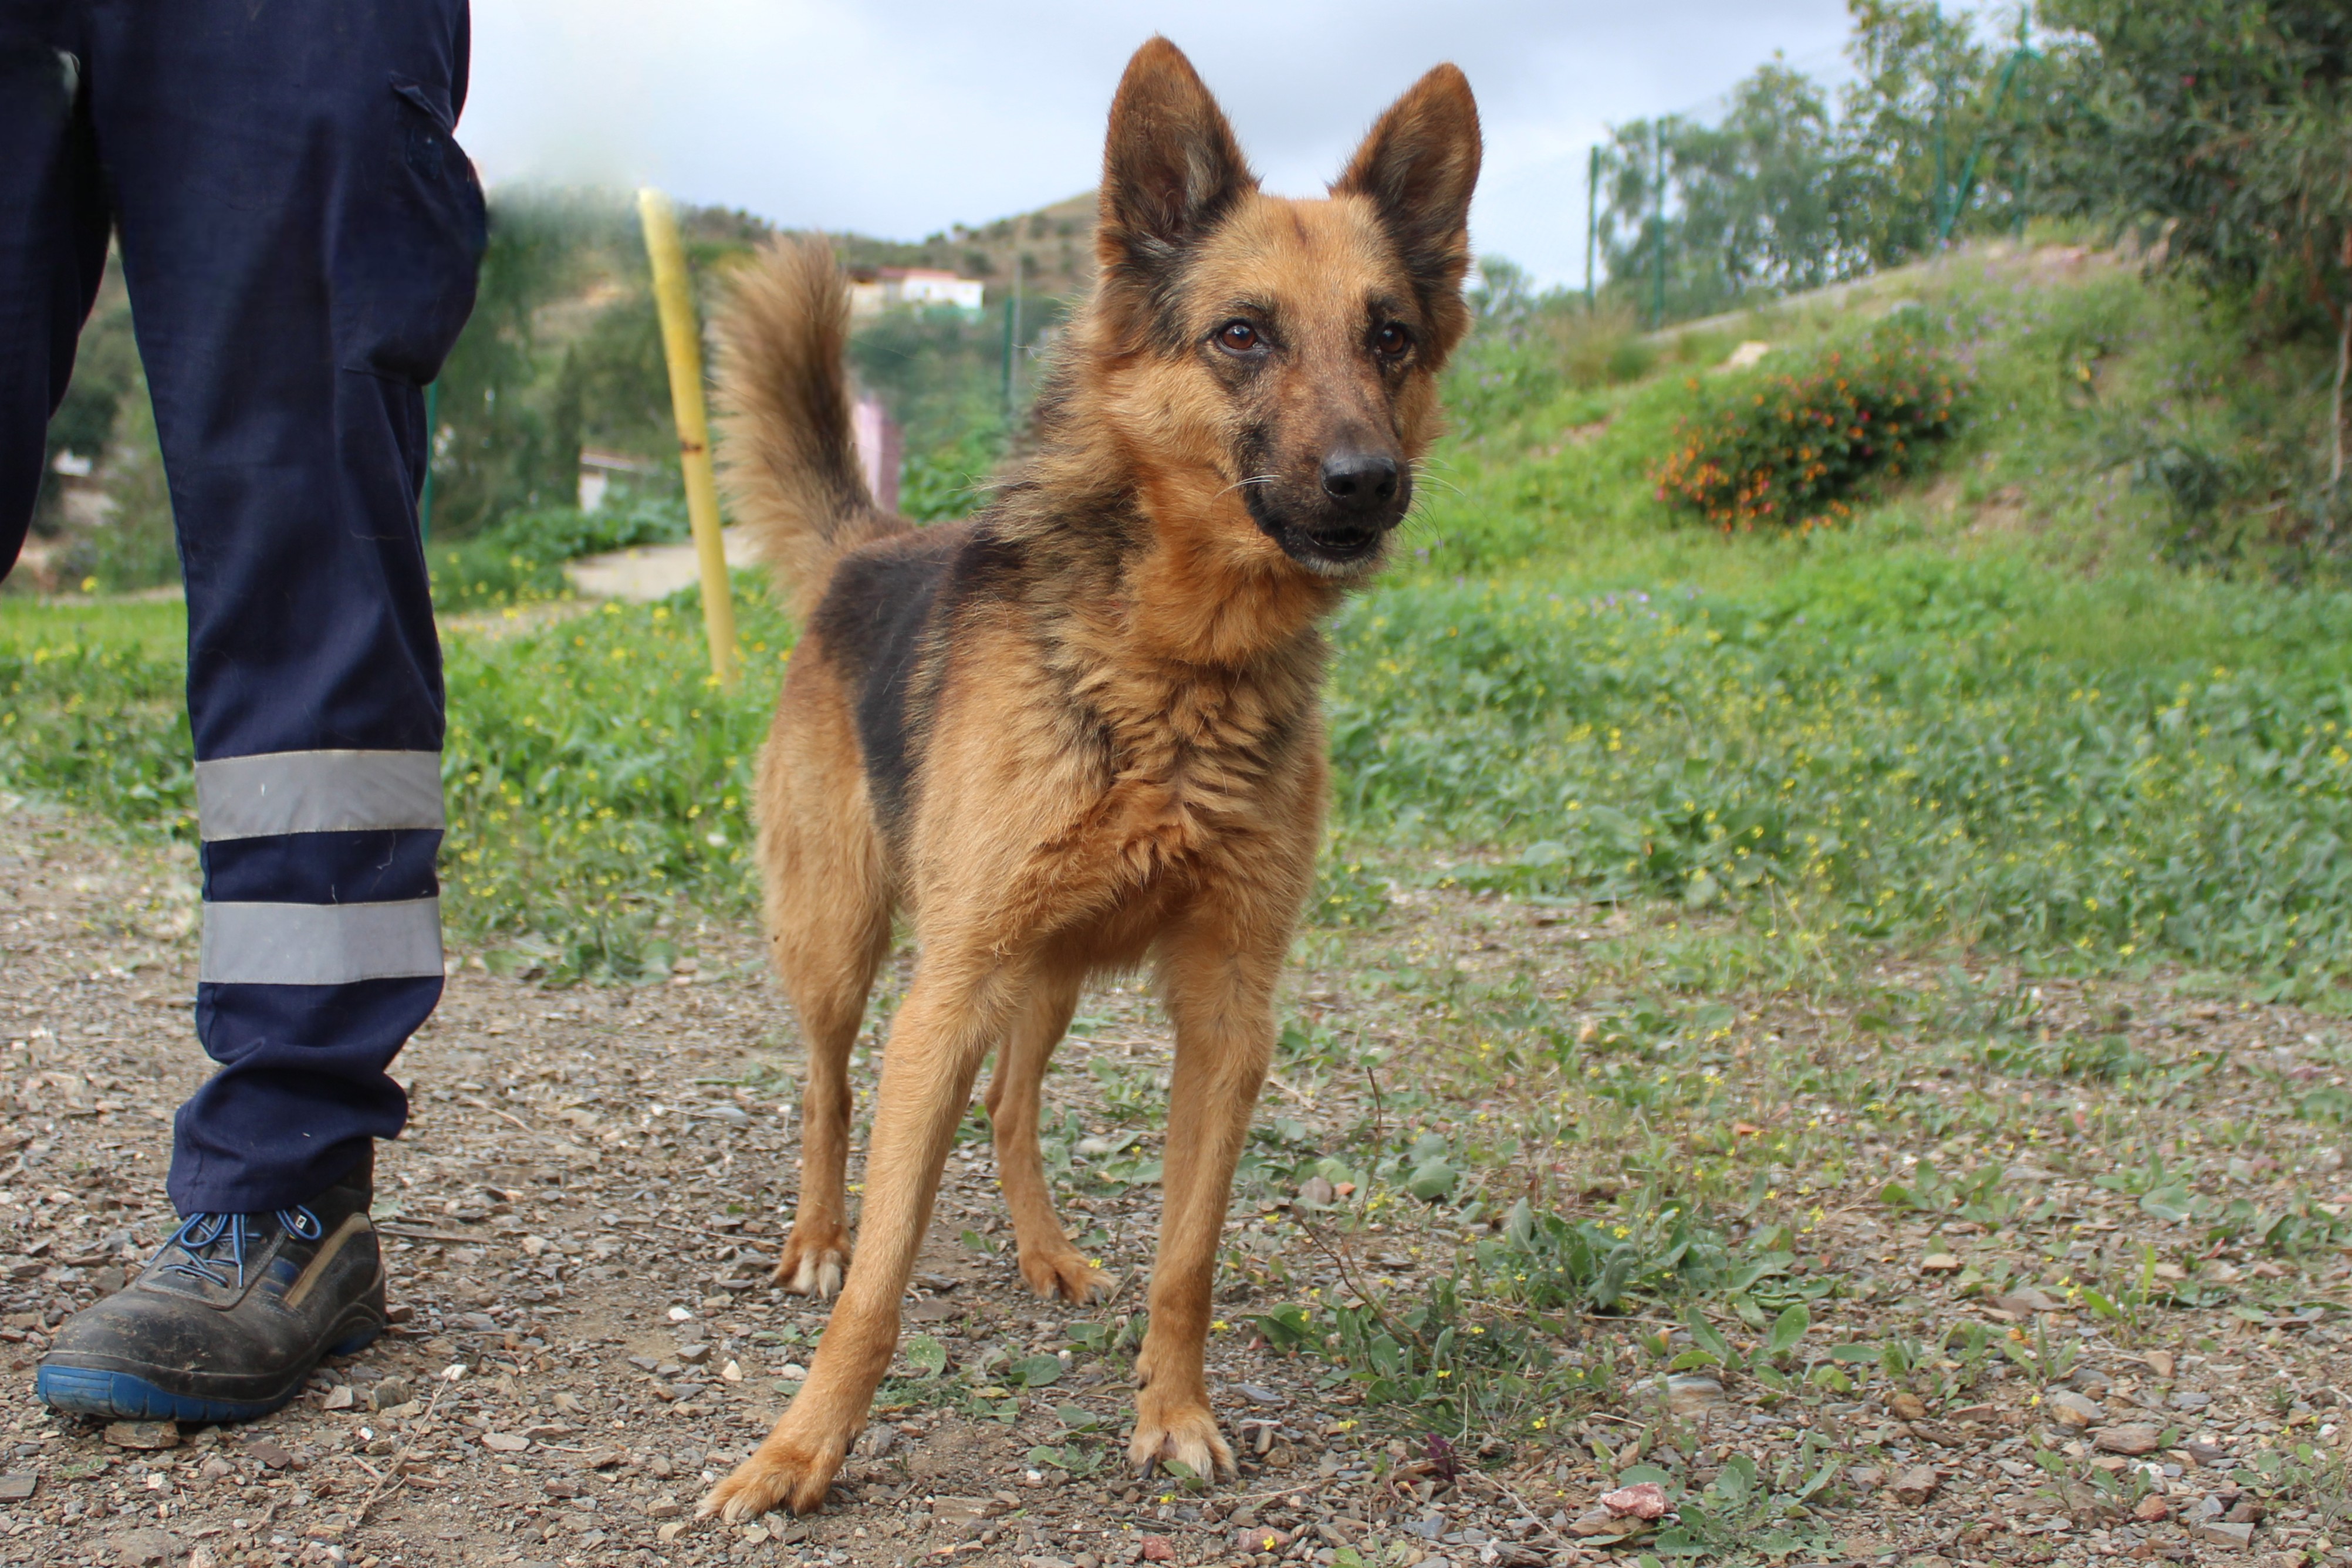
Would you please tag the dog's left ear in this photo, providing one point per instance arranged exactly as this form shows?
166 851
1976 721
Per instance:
1172 168
1418 168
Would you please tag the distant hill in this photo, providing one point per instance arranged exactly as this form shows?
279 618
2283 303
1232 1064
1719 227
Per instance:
1056 243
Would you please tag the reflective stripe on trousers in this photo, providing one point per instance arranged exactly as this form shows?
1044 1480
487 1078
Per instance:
284 793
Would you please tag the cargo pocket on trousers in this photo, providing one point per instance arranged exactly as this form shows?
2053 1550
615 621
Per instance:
409 254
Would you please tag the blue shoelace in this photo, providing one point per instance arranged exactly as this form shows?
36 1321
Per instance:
199 1234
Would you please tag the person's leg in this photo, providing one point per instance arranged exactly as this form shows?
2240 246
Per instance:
299 236
52 246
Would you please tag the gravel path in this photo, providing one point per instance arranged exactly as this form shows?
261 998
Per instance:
581 1215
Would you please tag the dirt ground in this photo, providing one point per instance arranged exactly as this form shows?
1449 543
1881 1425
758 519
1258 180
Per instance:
579 1222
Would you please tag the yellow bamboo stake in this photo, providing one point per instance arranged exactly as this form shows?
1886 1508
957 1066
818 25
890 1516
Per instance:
682 344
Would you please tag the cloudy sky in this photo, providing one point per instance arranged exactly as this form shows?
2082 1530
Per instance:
899 119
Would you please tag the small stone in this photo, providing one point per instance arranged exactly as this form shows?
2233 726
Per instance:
670 1532
2151 1510
664 1507
2132 1438
143 1435
732 1372
1600 1523
2245 1511
141 1547
2209 1454
1917 1484
1158 1549
1646 1501
271 1452
2069 1409
2025 1299
2222 1533
1318 1192
19 1486
339 1397
392 1391
1693 1393
1907 1407
1261 1538
680 1315
694 1355
505 1442
1940 1263
2159 1362
1257 1393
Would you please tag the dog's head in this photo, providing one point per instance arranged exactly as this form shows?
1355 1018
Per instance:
1272 364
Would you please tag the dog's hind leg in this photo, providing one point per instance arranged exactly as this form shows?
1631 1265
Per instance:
1048 1262
828 918
829 984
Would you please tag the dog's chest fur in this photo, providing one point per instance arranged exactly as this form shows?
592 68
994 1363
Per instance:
1192 752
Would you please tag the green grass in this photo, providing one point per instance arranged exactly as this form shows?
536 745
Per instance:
595 777
1830 863
2036 736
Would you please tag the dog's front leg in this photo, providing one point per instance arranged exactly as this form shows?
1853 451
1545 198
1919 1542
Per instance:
953 1012
1219 991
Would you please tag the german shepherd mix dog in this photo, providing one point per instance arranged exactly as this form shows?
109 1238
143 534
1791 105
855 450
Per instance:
1081 730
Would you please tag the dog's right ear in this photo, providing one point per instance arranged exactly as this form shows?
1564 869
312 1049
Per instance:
1170 167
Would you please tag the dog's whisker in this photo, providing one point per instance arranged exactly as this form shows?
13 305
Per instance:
1251 479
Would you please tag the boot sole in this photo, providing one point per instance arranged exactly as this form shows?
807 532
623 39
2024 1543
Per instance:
126 1396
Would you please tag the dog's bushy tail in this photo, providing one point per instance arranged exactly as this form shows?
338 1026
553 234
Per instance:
787 458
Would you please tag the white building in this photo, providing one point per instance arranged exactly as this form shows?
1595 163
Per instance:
921 287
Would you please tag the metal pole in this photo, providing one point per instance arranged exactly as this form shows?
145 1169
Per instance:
1591 220
682 345
1020 274
432 429
1007 368
1658 224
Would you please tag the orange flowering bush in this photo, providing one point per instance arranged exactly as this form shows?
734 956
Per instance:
1785 449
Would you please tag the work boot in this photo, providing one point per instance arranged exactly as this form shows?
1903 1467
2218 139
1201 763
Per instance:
229 1317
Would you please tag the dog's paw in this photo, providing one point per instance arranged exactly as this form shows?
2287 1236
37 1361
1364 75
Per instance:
812 1263
1065 1275
782 1472
1187 1434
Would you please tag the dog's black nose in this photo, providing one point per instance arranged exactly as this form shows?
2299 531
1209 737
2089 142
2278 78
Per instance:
1360 481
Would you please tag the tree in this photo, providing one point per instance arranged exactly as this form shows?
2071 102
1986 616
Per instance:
2223 127
1747 201
1931 140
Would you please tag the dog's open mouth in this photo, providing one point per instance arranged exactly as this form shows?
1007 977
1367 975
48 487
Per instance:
1337 546
1332 548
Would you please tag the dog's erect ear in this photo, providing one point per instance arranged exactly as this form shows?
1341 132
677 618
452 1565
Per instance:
1171 166
1418 167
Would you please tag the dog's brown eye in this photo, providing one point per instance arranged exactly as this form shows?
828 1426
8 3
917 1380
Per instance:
1392 340
1239 337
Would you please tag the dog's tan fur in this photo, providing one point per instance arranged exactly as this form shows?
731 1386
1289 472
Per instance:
1079 732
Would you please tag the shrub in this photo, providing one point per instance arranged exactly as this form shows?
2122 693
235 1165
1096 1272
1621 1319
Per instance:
522 557
1784 449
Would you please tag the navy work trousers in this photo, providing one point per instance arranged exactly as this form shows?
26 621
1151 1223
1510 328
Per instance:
300 235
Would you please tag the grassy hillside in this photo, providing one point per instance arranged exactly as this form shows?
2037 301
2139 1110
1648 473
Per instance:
1992 709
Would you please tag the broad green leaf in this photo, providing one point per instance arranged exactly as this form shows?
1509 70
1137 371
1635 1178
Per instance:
1788 1328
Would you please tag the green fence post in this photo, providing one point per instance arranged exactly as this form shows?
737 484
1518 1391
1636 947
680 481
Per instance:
1592 221
1658 222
